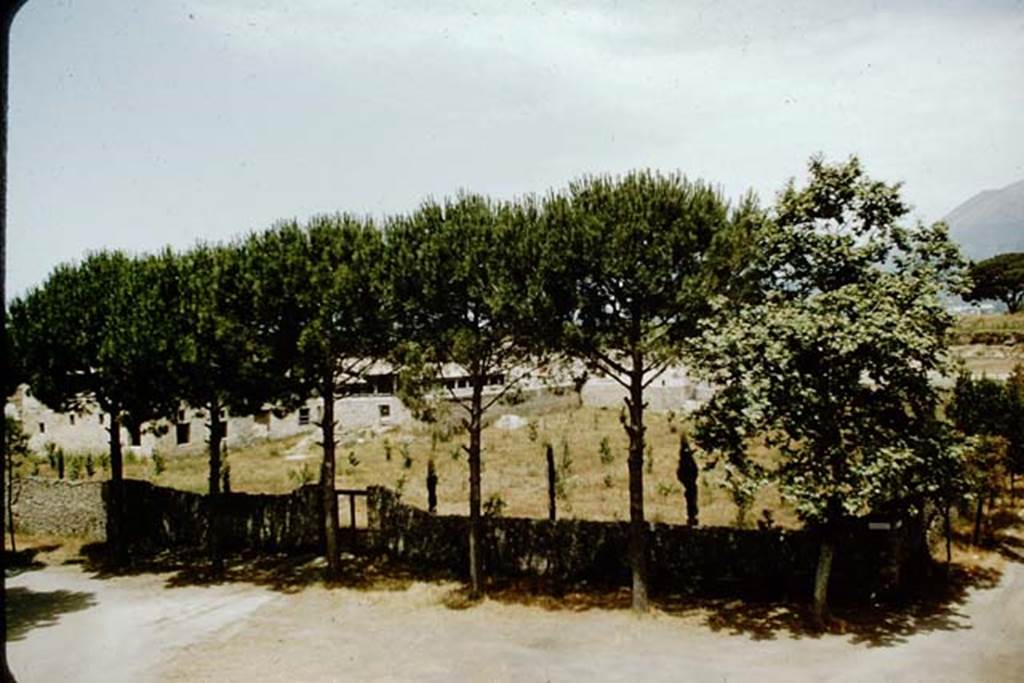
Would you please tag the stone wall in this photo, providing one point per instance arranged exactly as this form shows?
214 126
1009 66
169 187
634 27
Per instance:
712 561
60 508
158 517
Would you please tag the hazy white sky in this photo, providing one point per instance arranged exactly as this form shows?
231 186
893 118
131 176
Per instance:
135 124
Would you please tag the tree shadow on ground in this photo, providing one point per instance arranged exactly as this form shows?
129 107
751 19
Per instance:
24 560
27 609
281 572
933 604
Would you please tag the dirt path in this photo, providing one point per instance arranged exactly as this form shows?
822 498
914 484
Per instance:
74 627
64 625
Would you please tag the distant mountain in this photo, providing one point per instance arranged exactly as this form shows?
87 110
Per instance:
990 222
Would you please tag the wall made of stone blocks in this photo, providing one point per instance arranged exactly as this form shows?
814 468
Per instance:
60 508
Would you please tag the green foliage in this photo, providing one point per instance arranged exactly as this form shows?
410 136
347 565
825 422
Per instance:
665 490
494 506
832 366
90 467
979 406
75 466
406 456
532 430
1000 277
301 475
352 459
159 463
987 407
606 455
608 481
102 330
387 450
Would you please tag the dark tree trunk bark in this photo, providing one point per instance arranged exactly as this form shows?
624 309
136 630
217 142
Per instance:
475 426
978 515
327 474
116 526
214 507
947 526
637 524
552 484
821 576
687 473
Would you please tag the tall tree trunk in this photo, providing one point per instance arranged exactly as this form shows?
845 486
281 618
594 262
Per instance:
116 518
214 504
552 484
821 576
327 474
475 422
948 529
637 524
978 512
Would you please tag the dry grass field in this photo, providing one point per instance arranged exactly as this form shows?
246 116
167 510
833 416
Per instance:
514 468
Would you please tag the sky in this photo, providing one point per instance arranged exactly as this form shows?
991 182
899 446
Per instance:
139 124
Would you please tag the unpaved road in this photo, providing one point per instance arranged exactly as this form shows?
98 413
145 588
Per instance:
135 629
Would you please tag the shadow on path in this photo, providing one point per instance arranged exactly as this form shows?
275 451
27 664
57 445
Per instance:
27 609
935 603
285 573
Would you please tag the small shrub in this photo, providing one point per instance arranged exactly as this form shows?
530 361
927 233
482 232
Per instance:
90 467
159 463
665 490
456 452
608 481
607 457
130 457
494 506
51 455
352 459
301 475
387 450
406 458
75 466
563 472
225 479
104 462
532 428
649 460
400 486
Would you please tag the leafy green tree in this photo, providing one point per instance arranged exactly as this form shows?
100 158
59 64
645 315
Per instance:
640 255
318 300
986 407
223 366
1001 278
464 279
98 333
1015 431
832 366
